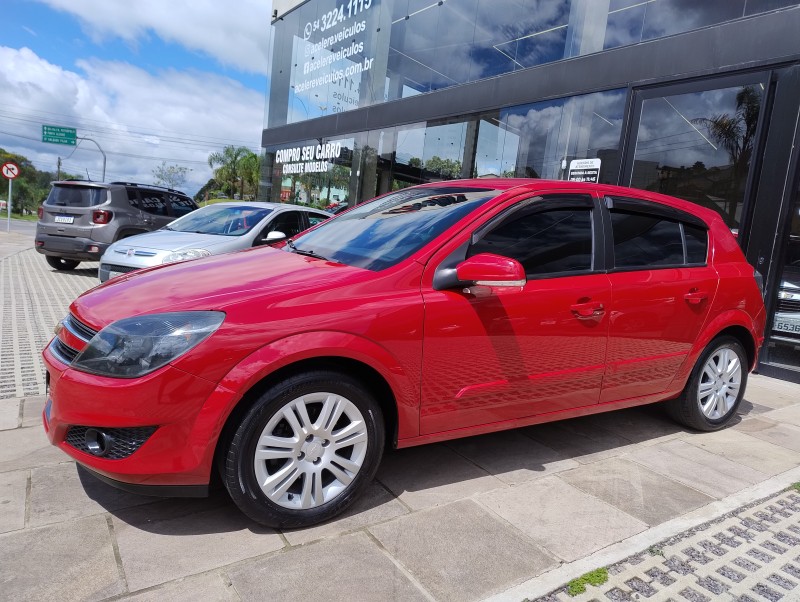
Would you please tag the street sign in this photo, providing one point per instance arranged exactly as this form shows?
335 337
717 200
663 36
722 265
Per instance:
10 170
56 134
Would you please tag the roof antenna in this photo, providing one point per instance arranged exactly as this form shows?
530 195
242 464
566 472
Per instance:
88 177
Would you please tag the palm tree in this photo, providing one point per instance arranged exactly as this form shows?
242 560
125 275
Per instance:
230 165
251 171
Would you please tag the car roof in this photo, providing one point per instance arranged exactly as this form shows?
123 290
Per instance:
266 205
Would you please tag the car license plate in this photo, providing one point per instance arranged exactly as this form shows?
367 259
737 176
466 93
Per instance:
786 324
64 219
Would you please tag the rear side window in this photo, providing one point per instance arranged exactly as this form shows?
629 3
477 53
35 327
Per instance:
544 242
316 218
76 196
181 205
644 240
651 236
153 202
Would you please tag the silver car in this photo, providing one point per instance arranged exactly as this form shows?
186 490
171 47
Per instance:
210 230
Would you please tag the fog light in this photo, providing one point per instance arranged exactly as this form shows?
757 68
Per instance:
97 442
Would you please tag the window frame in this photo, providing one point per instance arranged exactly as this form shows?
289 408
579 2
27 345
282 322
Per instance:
650 209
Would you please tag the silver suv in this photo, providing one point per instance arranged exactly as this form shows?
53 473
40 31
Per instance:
79 220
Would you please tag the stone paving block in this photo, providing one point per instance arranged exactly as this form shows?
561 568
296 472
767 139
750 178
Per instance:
697 468
66 491
635 489
376 505
783 435
462 552
32 411
13 491
787 415
9 413
69 561
747 450
209 587
178 538
351 568
511 456
580 440
646 424
561 518
431 475
27 448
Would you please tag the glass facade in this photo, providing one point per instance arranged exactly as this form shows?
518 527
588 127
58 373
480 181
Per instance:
331 56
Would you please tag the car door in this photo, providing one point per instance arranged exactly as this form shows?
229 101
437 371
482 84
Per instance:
493 354
289 222
661 289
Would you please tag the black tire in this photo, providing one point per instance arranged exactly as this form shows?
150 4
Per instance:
688 407
61 264
307 459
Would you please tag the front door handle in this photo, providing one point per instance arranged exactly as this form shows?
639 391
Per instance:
695 297
591 309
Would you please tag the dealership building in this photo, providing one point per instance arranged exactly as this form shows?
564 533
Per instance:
696 99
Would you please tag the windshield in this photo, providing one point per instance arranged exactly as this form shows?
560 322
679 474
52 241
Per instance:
76 196
224 221
383 232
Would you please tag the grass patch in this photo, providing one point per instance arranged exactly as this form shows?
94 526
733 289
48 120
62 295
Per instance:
595 577
25 218
795 486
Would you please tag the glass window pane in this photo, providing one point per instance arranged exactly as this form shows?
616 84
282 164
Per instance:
696 244
643 240
699 147
546 242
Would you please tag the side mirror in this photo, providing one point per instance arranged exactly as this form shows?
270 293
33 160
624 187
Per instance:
274 236
488 269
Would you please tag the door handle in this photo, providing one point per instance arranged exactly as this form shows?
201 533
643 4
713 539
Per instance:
591 309
695 297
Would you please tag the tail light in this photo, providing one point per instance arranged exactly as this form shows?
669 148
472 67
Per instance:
40 212
100 216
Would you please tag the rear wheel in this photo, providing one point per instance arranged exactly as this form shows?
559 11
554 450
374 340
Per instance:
715 388
305 450
59 263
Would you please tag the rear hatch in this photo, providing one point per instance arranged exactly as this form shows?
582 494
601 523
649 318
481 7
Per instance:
67 211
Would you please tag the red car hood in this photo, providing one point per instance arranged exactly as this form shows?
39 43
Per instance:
211 283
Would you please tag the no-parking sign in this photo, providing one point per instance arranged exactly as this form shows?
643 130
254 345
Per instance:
10 170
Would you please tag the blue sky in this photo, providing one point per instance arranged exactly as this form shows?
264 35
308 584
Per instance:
150 80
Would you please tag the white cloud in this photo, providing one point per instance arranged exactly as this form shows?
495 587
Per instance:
138 118
235 33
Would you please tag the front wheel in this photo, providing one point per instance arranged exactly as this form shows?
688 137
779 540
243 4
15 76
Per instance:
305 450
61 264
715 388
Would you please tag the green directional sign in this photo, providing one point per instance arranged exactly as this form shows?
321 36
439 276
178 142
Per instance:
56 134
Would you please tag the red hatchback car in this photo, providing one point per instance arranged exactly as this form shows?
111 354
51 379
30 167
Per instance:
434 312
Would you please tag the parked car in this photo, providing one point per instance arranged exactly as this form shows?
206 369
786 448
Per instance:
786 325
79 220
210 230
434 312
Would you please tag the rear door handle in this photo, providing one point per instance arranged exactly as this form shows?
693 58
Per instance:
695 297
591 309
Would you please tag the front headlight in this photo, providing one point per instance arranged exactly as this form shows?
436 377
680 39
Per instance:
185 255
134 347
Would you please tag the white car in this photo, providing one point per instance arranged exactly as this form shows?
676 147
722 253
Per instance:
210 230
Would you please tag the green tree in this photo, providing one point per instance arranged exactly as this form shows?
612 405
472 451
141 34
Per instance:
227 165
171 176
251 172
447 169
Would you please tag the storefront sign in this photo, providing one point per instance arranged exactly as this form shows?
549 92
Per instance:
584 170
308 159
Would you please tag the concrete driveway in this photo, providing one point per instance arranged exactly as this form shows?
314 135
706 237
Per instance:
508 515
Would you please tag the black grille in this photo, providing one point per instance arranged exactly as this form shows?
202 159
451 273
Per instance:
79 328
63 352
788 305
122 269
124 441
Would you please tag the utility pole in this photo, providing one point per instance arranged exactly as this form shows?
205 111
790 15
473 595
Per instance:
58 173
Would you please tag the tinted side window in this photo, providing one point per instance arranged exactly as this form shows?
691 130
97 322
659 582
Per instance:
153 202
544 242
288 222
316 218
133 197
181 205
696 244
644 240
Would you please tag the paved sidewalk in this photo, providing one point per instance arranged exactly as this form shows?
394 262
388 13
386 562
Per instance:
507 516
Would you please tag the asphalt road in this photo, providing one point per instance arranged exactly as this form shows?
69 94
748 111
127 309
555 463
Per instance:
19 226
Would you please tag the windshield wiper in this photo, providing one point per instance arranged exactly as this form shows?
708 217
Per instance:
294 249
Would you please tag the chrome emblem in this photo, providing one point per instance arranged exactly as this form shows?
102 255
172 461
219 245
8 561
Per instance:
129 253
